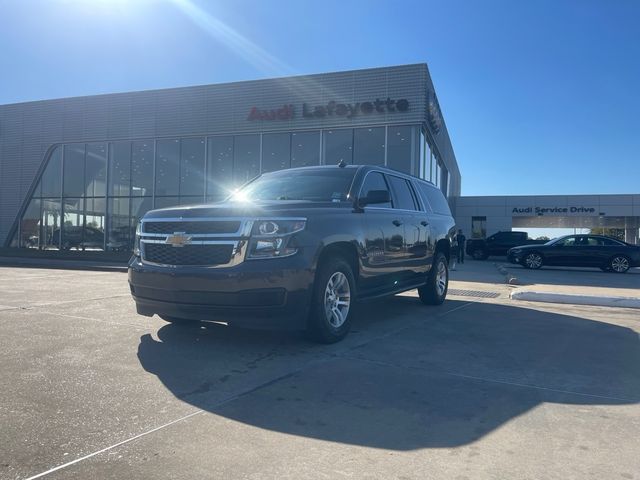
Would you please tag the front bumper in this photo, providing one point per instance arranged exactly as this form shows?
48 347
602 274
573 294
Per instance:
515 258
269 293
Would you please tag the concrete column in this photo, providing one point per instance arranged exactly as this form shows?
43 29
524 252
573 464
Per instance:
631 235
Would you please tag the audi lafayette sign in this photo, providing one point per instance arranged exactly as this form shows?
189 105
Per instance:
331 109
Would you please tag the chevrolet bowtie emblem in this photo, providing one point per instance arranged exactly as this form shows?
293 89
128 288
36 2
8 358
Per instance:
178 239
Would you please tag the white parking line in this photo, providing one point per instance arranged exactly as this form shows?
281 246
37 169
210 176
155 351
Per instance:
111 447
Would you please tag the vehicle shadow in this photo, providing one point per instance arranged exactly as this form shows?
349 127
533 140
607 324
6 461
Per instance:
430 381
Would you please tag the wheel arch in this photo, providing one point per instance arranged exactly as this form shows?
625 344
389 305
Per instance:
342 249
443 246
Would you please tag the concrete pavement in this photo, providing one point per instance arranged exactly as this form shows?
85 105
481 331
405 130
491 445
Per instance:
481 387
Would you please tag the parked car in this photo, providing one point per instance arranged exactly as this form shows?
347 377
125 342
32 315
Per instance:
295 249
608 254
498 244
78 237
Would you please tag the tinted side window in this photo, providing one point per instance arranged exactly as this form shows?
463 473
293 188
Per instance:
435 198
374 181
610 243
403 198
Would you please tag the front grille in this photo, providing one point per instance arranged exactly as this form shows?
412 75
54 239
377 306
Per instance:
188 255
204 227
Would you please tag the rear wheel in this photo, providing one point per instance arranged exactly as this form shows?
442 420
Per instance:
532 260
435 290
619 264
332 303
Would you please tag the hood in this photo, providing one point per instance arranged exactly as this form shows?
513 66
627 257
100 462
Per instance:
246 209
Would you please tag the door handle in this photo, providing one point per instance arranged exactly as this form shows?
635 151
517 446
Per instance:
397 223
424 223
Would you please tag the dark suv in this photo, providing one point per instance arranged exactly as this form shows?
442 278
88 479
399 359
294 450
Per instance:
295 249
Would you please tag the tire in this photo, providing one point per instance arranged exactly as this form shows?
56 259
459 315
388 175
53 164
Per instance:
532 261
479 254
332 303
435 290
619 264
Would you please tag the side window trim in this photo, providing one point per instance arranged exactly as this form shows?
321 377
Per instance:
393 192
384 179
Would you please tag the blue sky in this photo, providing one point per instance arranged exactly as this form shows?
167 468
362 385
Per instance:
540 97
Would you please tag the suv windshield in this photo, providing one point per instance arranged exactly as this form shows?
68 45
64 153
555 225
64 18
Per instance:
315 185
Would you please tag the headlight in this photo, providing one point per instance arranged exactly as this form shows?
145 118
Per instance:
273 238
269 228
136 242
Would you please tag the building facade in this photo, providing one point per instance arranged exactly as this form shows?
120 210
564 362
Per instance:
482 216
78 173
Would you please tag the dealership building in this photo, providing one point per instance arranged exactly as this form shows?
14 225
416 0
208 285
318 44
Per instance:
76 174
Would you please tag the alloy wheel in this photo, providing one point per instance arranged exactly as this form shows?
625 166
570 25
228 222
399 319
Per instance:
337 299
441 279
533 260
620 264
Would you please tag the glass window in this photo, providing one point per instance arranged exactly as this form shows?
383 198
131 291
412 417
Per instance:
166 202
368 146
219 167
142 168
305 149
94 218
74 170
478 227
51 223
313 185
52 176
610 243
120 169
434 198
434 164
246 158
444 183
337 146
374 181
96 170
139 206
192 166
73 211
423 143
566 242
120 233
276 152
400 148
402 196
30 235
167 167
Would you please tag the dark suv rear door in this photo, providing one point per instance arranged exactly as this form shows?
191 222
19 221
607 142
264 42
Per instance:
406 205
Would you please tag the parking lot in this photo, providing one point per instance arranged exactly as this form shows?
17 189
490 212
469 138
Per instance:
481 387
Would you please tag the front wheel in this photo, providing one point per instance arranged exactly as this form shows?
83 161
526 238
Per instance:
435 290
332 303
619 264
532 261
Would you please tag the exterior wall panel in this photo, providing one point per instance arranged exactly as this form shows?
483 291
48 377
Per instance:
28 130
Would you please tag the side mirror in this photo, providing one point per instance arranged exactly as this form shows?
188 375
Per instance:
375 197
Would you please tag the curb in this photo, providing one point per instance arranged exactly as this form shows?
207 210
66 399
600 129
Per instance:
533 296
